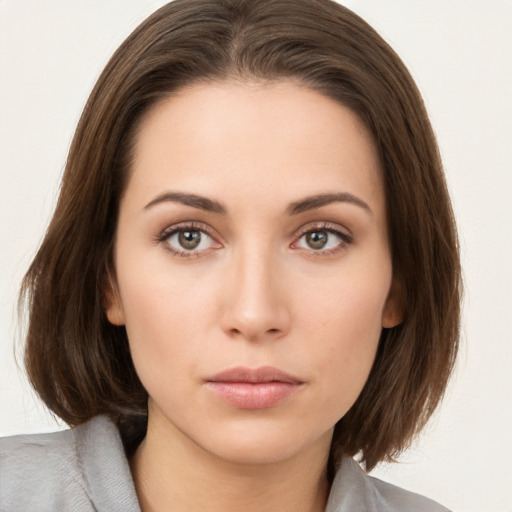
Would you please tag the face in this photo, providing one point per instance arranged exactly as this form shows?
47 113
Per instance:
253 269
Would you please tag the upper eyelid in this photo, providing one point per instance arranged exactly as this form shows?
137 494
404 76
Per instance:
192 225
325 225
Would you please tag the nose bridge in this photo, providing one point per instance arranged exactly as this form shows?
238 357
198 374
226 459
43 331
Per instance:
255 308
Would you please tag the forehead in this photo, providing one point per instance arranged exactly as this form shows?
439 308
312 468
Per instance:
277 138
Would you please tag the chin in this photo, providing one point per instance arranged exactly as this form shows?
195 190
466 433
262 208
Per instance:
264 444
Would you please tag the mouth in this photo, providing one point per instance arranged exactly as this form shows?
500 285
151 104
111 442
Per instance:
259 388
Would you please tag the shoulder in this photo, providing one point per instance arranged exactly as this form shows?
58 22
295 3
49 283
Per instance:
353 489
78 469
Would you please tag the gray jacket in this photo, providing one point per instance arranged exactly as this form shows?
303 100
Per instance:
85 469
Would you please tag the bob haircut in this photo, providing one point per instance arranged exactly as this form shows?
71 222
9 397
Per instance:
80 364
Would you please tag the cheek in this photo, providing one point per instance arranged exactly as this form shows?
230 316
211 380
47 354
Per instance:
346 305
349 345
155 322
167 316
344 326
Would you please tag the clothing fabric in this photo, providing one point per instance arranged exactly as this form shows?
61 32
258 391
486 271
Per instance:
85 469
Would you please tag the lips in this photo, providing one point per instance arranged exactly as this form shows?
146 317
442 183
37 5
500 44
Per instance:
259 388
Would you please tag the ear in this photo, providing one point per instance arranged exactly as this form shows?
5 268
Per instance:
112 300
394 308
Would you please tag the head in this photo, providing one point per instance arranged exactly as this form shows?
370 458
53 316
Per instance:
79 360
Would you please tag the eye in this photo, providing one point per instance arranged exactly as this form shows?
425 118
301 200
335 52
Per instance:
323 240
187 240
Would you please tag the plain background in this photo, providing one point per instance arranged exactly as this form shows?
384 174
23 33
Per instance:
460 53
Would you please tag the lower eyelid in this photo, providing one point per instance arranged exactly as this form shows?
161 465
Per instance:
338 231
183 226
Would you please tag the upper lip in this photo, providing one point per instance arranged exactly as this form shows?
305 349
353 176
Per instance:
254 375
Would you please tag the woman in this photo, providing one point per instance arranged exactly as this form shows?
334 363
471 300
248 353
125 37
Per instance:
251 275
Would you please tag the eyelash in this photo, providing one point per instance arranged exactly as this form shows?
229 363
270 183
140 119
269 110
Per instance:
334 229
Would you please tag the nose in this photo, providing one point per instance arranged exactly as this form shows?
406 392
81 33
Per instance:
255 304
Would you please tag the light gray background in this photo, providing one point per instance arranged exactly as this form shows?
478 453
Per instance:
459 51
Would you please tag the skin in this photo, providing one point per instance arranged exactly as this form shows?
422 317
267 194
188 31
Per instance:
255 292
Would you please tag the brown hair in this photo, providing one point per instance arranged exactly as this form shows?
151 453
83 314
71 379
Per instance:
80 364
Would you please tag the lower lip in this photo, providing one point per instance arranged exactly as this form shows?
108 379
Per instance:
246 395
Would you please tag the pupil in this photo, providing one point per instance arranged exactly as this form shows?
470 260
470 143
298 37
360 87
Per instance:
189 239
316 239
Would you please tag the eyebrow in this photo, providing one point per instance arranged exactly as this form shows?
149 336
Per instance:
200 202
319 200
303 205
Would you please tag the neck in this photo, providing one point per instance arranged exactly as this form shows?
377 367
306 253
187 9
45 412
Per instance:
174 473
